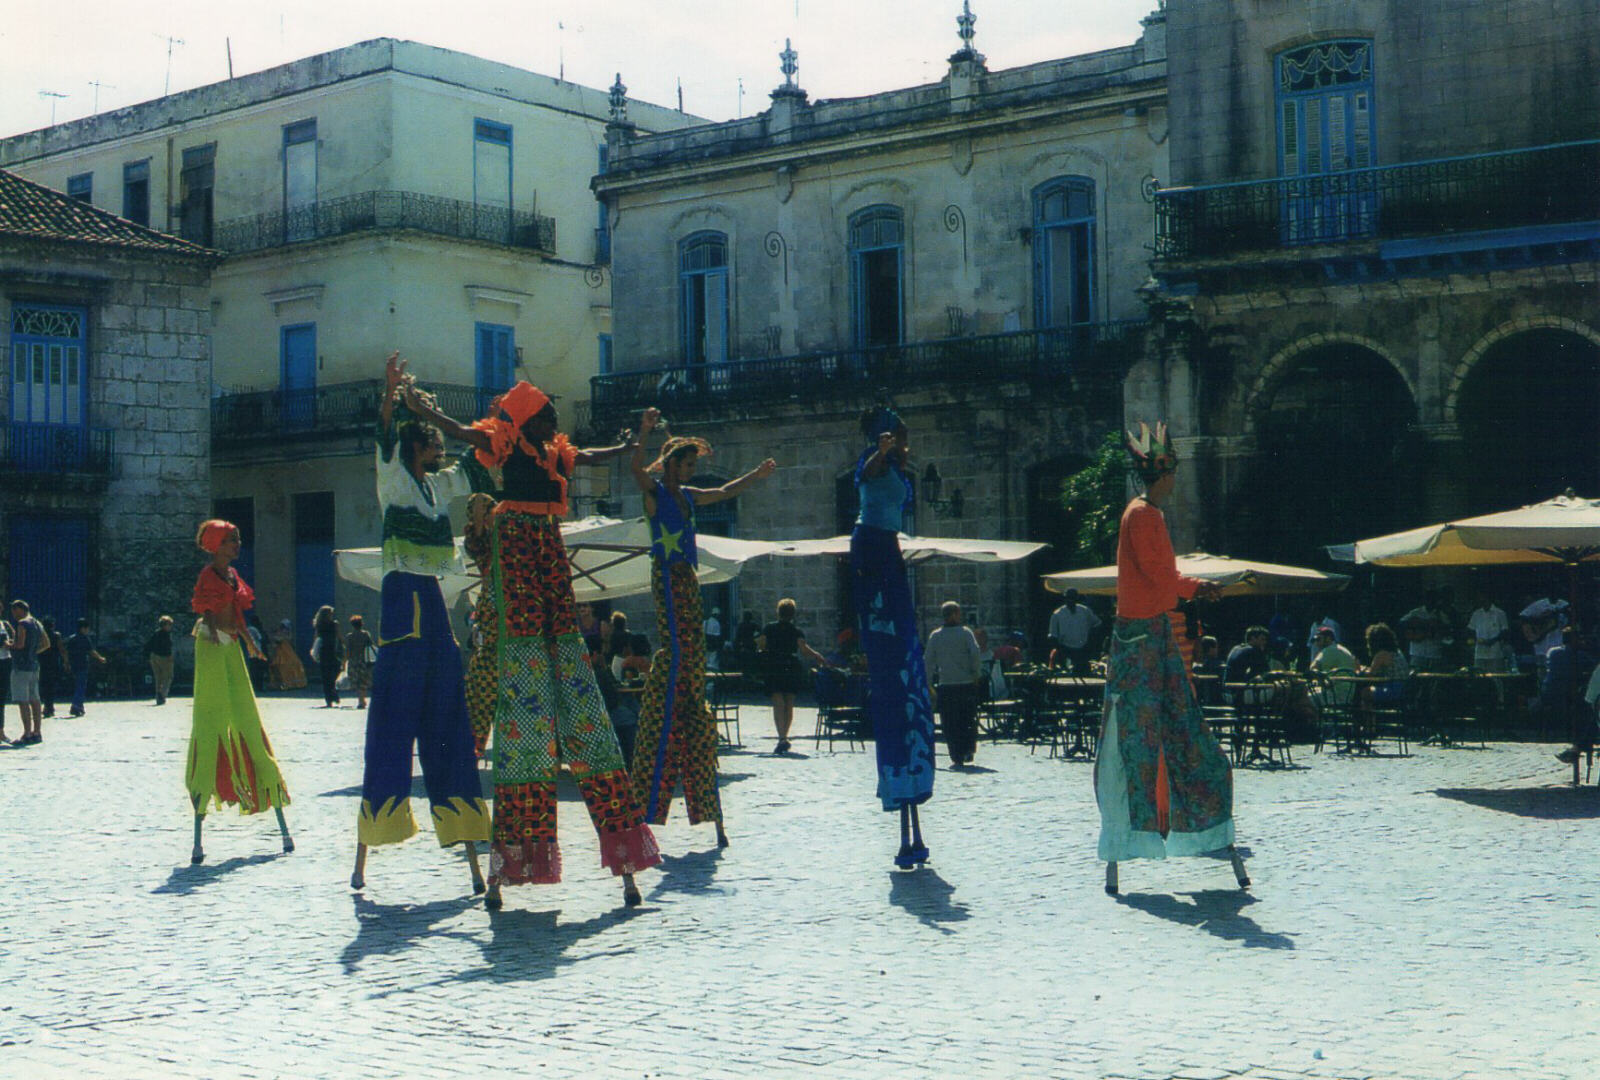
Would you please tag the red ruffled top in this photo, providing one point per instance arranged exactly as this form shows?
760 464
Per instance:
215 593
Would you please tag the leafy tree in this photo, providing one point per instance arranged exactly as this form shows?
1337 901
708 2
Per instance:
1094 498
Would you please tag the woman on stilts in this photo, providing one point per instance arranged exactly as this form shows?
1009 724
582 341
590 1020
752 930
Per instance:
1161 779
230 760
677 736
897 701
548 709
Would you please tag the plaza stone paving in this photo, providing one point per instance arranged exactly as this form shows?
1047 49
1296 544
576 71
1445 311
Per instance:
1425 917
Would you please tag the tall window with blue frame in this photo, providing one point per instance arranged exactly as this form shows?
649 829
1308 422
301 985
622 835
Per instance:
703 292
196 193
1327 131
496 351
300 180
491 180
136 191
877 275
297 374
49 386
1063 253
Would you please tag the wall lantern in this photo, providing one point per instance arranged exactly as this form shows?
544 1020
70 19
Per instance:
933 489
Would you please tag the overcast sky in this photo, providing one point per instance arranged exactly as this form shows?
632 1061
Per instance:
846 47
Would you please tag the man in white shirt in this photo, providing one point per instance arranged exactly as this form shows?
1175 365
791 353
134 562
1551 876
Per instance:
952 658
1070 627
1330 656
1491 634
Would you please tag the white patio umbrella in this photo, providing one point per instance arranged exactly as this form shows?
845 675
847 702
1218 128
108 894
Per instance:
610 559
1238 577
917 549
1563 530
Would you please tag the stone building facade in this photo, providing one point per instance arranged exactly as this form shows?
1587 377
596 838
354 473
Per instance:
387 195
971 249
1374 303
105 460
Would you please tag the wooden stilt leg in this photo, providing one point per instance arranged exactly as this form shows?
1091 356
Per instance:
630 892
477 871
198 855
283 830
1111 879
1238 867
358 878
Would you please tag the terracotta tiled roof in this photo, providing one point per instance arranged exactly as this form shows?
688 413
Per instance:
33 211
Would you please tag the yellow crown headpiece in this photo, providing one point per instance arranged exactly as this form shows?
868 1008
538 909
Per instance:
1151 451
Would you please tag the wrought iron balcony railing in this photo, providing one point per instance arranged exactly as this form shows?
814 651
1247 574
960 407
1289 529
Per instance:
1543 185
56 449
369 210
324 411
1040 357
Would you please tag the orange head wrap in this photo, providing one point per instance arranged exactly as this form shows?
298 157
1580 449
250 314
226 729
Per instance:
503 425
212 533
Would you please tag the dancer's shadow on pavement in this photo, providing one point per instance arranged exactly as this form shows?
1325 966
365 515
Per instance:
1216 911
928 896
1564 803
385 929
694 873
186 879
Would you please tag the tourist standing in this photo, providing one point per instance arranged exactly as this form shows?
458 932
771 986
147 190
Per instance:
360 653
81 653
27 642
327 649
954 673
158 651
1070 627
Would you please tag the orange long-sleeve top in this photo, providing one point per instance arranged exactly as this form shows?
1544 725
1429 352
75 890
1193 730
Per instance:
1148 582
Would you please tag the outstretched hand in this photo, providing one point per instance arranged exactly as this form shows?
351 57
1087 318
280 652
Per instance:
886 442
394 371
766 469
648 422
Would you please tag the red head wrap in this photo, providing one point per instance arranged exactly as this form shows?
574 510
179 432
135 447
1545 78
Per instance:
503 425
213 533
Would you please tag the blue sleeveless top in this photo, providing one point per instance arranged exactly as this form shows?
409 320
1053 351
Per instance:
882 500
672 531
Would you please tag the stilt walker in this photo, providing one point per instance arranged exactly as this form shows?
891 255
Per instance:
230 760
897 681
418 695
548 708
1161 779
677 738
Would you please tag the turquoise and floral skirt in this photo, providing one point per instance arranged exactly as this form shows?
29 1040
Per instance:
1162 780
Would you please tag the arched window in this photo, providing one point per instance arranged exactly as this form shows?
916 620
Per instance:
703 297
877 263
1326 124
1063 252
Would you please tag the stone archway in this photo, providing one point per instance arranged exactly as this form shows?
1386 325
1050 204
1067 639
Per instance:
1528 407
1335 454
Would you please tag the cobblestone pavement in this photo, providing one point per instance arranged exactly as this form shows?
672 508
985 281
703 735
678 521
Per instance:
1433 917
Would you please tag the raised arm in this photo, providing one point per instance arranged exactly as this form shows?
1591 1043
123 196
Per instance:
879 461
811 654
641 475
394 375
422 404
733 487
625 443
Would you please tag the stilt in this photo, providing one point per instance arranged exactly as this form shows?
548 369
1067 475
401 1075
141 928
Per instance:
630 892
492 901
472 863
198 855
283 830
358 877
722 836
919 850
1111 879
903 858
1238 867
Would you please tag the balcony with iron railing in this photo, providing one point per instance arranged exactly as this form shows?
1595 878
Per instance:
1043 359
1533 191
322 412
51 452
383 210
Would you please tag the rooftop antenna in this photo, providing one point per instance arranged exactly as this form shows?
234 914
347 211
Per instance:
229 42
741 97
166 87
97 84
54 97
561 51
680 93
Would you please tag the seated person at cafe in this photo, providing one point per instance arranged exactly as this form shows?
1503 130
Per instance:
1209 671
1566 673
1071 625
1430 631
1328 656
1250 659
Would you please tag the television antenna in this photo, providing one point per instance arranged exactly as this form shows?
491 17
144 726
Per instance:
166 87
97 84
54 97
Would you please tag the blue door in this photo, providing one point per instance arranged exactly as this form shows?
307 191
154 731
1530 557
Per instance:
50 567
497 359
313 562
297 349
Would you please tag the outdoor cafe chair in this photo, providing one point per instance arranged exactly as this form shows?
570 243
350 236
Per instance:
1261 725
841 710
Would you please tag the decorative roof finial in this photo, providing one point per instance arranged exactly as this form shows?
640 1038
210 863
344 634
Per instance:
964 23
791 65
619 101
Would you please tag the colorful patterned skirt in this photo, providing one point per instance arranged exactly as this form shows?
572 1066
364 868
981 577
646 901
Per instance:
1162 780
548 711
417 700
897 678
677 739
230 759
482 676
